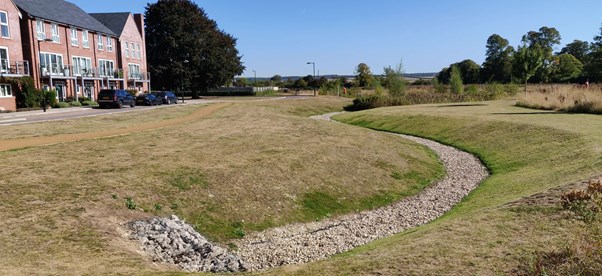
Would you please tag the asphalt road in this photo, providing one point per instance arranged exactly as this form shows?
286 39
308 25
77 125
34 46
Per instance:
56 114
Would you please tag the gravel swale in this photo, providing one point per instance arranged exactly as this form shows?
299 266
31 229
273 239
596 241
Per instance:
302 243
173 241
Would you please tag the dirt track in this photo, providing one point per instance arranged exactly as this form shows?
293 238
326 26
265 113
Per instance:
12 144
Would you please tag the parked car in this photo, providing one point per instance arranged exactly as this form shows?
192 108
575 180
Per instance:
148 99
115 98
167 97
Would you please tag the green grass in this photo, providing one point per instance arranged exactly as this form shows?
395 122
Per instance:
527 152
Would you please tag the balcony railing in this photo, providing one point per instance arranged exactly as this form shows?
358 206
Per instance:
57 71
17 68
138 76
90 72
111 74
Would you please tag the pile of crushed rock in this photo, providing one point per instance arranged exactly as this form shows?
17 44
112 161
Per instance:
171 240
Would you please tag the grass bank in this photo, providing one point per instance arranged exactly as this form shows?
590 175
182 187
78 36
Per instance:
248 166
528 153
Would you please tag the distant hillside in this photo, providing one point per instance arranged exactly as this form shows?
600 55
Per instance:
332 77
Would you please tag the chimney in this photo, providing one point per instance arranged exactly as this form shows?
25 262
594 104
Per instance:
139 19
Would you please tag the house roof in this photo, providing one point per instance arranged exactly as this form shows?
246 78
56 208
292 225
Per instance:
114 21
62 12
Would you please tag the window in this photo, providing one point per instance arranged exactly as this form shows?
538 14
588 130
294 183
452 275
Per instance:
41 29
100 42
134 71
85 39
127 49
56 38
109 44
82 67
74 39
106 68
4 64
138 54
5 91
51 64
4 24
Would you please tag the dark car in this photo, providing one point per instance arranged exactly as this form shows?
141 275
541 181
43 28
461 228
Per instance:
115 98
167 97
148 99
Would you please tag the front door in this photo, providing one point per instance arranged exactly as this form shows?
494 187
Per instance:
88 88
60 91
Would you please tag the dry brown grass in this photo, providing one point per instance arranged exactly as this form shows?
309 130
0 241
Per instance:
564 98
248 164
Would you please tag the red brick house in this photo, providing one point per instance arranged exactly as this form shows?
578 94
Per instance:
12 63
131 46
70 51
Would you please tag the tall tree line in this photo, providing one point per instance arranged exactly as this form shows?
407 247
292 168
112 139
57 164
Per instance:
533 60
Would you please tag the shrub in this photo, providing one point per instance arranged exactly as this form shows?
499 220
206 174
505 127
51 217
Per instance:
50 97
75 104
61 105
585 205
130 204
472 89
132 92
89 103
83 99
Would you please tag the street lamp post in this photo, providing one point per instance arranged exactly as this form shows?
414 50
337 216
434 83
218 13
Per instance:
255 77
314 66
181 78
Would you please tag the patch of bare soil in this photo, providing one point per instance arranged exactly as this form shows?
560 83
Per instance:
552 197
11 144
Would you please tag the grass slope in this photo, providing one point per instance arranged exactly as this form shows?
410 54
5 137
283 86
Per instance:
247 167
528 152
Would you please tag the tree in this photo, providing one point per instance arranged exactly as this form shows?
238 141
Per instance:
276 78
527 61
364 75
593 67
393 80
579 49
469 70
444 75
566 67
241 82
455 80
498 62
300 83
545 39
186 48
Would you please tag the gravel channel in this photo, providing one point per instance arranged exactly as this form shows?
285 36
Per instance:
302 243
307 242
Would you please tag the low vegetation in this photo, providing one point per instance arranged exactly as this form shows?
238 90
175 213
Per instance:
567 98
433 94
248 167
528 153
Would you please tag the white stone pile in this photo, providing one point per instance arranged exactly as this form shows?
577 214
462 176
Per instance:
171 240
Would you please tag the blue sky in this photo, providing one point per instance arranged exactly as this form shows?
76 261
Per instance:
280 37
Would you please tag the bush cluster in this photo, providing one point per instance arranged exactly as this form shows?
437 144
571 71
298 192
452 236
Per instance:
420 97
